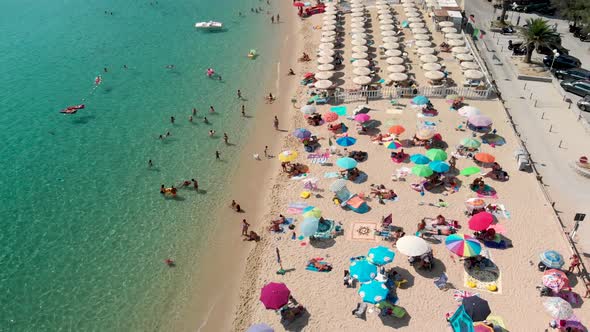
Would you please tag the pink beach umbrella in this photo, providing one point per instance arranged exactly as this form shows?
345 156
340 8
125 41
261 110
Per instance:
361 118
274 295
481 221
330 116
480 120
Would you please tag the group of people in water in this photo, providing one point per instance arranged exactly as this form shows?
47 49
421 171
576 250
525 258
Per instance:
172 191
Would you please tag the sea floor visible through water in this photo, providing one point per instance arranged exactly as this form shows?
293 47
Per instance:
85 229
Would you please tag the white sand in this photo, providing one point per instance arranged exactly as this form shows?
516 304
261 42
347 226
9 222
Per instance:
531 229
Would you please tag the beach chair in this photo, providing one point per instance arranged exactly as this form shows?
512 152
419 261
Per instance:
352 201
360 311
387 221
442 282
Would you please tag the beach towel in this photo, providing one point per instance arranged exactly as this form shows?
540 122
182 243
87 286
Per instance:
340 110
331 175
299 177
310 267
296 208
287 222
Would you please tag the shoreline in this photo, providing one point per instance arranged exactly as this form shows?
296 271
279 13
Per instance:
250 187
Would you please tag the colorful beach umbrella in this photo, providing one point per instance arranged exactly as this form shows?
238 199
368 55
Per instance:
481 221
470 170
380 255
260 328
477 308
362 270
308 109
394 145
436 154
484 157
346 163
346 141
420 100
471 143
558 308
552 259
312 212
439 166
302 133
556 280
396 130
411 245
419 159
482 327
373 292
361 118
480 120
274 295
463 245
330 116
309 226
288 156
422 170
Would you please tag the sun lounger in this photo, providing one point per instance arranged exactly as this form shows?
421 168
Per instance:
442 282
352 201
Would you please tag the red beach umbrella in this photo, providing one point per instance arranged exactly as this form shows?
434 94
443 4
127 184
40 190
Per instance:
481 221
330 116
397 130
485 157
274 295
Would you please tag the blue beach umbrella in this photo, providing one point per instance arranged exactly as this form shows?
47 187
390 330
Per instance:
346 163
346 141
373 292
302 133
439 166
420 100
362 270
552 259
380 255
309 226
419 159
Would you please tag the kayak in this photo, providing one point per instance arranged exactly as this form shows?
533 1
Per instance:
72 109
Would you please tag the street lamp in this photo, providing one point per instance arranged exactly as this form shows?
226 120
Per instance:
555 55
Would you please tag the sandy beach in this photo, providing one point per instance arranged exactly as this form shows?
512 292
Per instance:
527 222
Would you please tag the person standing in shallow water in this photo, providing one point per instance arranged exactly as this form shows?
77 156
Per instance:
217 155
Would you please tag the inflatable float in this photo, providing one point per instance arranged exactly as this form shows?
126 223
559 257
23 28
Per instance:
72 109
252 54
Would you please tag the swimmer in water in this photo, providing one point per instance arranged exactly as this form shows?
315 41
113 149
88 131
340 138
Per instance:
211 132
190 118
150 163
162 190
194 111
225 138
243 111
169 66
169 262
168 134
195 184
205 120
172 119
211 109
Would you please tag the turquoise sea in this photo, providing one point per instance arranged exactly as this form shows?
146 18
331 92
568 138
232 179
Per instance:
84 228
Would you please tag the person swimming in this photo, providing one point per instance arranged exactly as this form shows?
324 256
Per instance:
211 132
169 262
170 67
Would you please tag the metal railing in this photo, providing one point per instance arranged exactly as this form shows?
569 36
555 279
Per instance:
344 96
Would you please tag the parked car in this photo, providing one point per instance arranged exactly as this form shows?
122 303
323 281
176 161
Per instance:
562 62
573 74
541 8
547 49
508 30
584 104
579 87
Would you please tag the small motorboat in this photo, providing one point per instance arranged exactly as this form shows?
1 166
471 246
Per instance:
210 25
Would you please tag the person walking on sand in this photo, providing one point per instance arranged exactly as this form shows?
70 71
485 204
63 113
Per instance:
217 155
245 226
266 151
276 123
574 262
272 19
278 18
225 138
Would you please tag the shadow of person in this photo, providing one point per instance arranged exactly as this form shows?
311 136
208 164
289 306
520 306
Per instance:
298 324
438 268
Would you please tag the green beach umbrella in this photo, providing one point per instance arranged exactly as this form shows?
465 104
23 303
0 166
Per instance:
471 143
422 170
470 170
436 154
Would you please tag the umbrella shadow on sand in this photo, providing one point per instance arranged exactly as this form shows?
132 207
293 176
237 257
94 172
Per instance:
395 322
322 244
298 324
405 275
438 268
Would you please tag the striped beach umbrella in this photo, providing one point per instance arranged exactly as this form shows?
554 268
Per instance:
380 255
552 259
373 292
463 245
394 145
362 270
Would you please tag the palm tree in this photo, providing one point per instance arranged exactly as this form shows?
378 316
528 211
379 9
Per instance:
536 32
505 4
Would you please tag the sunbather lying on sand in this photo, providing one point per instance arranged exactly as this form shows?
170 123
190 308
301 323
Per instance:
319 266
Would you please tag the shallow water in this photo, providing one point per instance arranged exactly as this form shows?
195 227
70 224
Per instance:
85 230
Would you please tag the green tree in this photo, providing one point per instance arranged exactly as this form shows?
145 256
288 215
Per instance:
537 32
505 5
577 11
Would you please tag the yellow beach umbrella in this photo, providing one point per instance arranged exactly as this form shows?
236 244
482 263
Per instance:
288 156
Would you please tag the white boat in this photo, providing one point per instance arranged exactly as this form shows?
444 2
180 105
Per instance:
211 25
